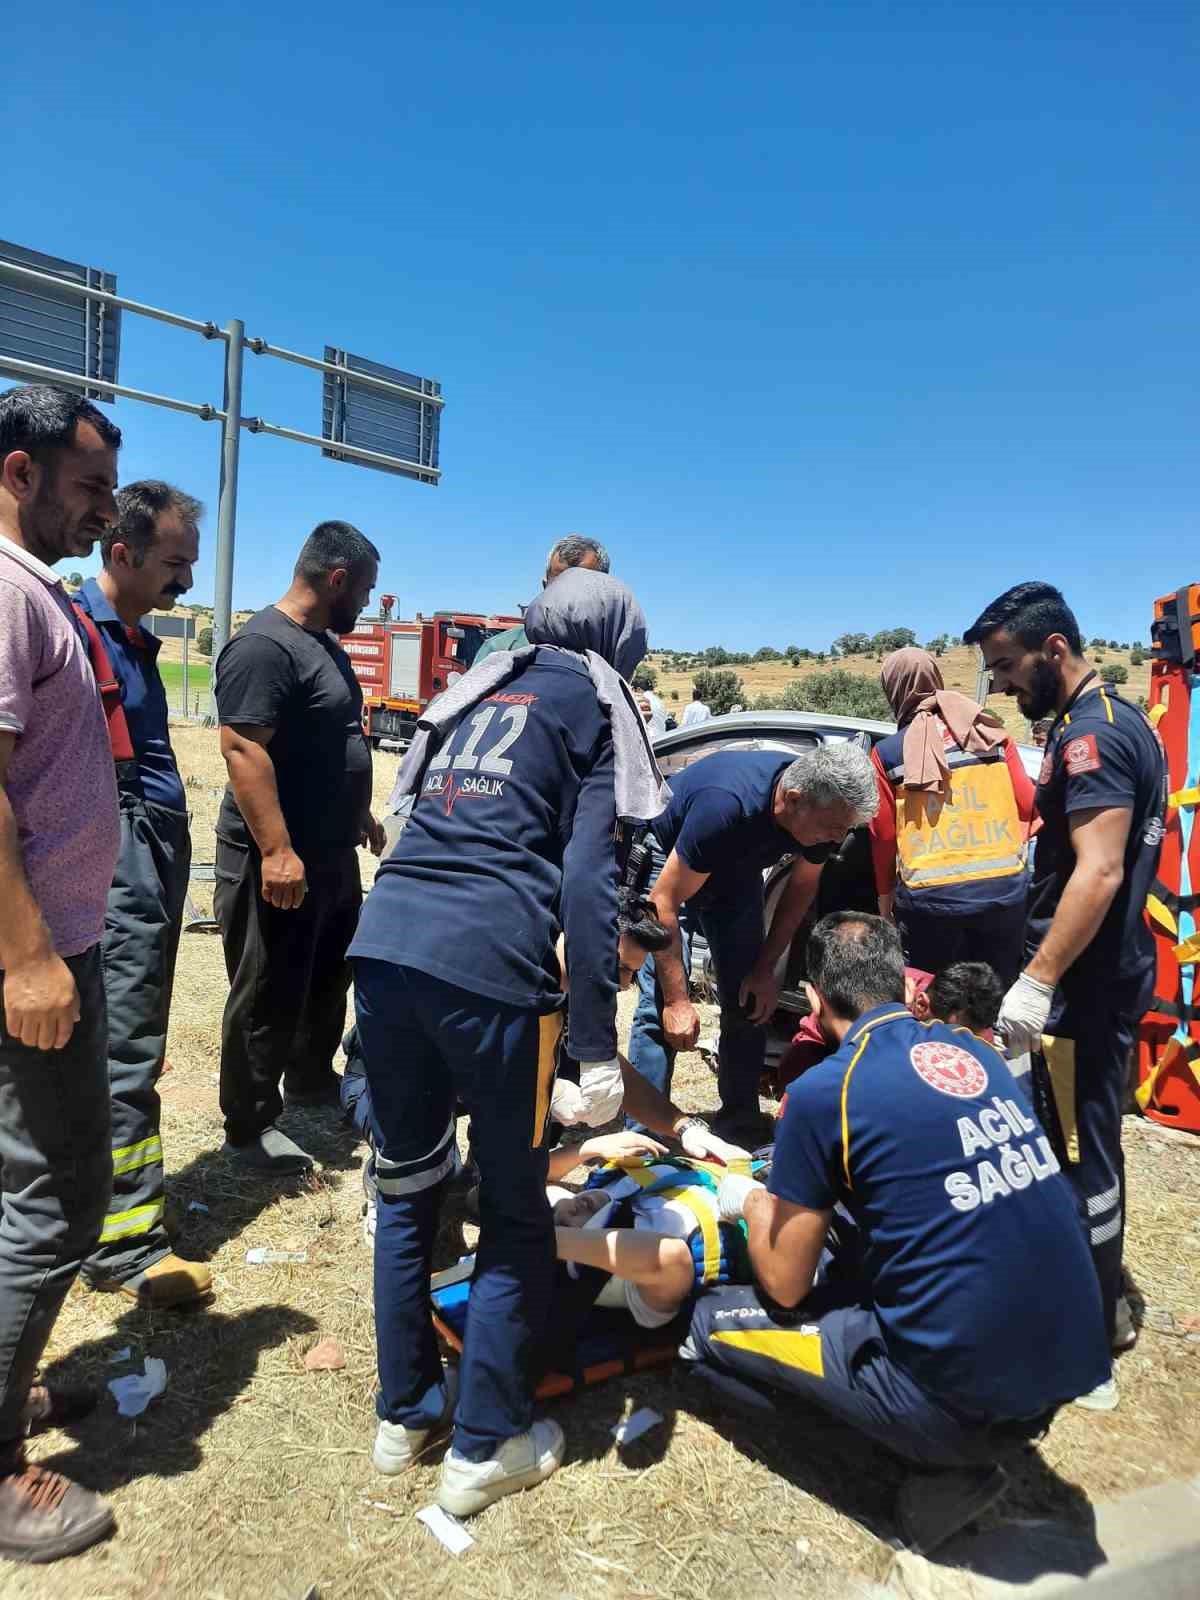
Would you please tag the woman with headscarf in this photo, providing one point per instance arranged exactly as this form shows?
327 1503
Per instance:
517 777
949 839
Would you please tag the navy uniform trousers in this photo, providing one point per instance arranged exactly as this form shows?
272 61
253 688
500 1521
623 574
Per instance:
426 1044
733 927
1079 1083
831 1351
141 940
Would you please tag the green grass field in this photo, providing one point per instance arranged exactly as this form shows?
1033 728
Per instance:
198 681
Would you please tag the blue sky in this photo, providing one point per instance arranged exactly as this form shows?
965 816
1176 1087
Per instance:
821 316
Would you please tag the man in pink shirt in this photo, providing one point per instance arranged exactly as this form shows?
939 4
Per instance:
59 836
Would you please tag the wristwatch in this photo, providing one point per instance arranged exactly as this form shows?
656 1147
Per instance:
691 1122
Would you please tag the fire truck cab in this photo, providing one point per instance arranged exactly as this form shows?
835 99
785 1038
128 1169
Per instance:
403 665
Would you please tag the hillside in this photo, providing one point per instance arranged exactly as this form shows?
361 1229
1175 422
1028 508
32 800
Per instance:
959 668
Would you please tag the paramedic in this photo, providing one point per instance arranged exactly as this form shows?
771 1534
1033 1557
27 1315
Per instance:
732 815
520 771
1089 955
952 1308
948 840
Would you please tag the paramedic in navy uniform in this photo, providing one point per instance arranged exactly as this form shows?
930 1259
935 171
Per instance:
953 1307
1089 955
511 839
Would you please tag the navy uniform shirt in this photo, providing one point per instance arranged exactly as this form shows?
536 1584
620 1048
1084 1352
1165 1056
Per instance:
133 653
719 821
976 1263
512 839
1101 752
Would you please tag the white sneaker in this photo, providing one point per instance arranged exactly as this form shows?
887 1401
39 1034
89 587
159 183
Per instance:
1104 1397
520 1463
397 1447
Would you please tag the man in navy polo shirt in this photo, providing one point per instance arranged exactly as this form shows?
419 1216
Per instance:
953 1307
1089 955
733 815
148 555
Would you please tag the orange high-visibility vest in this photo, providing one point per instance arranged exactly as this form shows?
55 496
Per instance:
972 835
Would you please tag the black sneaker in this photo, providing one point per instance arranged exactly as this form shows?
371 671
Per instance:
932 1507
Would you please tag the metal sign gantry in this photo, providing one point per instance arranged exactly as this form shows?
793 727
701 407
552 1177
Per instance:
373 416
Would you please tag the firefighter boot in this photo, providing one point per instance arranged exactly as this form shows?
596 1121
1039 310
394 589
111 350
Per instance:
170 1281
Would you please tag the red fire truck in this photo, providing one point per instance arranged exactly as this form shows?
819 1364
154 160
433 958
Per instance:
402 665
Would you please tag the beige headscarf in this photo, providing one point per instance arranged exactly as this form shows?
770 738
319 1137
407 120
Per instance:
916 691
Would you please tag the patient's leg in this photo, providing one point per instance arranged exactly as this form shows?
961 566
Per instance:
661 1266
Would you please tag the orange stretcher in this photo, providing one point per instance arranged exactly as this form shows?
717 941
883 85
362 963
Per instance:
1169 1036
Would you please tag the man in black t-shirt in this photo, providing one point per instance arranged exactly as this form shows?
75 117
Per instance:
297 807
1089 957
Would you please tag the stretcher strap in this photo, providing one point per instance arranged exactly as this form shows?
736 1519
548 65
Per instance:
1175 1054
646 1178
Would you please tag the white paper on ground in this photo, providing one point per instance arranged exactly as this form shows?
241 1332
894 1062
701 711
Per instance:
134 1392
446 1529
261 1256
633 1427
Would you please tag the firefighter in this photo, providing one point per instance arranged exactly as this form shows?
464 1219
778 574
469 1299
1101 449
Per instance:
520 772
948 840
148 556
731 816
920 1268
1089 956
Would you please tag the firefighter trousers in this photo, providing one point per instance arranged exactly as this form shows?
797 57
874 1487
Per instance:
141 939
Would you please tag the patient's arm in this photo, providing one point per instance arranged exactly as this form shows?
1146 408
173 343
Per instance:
661 1266
624 1146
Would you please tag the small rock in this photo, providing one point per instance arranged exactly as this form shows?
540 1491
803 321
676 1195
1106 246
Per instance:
1158 1318
803 1546
1191 1323
325 1356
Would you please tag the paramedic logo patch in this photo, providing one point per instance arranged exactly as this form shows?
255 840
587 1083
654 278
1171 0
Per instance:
1081 755
948 1068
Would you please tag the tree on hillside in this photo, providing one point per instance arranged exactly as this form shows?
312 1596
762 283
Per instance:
939 645
645 677
204 641
795 650
853 644
841 693
75 580
719 690
889 639
768 653
1136 657
1115 673
716 655
1096 644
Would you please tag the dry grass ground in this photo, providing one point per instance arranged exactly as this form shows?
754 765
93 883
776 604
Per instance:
250 1478
958 668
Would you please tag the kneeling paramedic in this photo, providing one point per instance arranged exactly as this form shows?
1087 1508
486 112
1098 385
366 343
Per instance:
521 771
1089 954
953 1306
733 815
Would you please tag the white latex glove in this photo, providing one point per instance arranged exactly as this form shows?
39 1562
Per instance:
603 1091
702 1144
1023 1013
567 1104
731 1196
